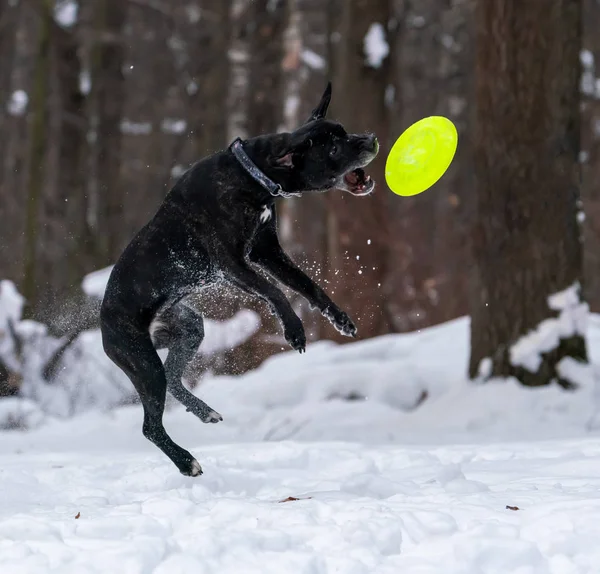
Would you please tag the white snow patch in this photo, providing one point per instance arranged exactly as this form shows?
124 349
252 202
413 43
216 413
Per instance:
87 379
192 87
194 13
237 56
565 299
586 57
448 41
292 105
173 126
589 84
485 368
135 128
415 21
19 413
527 351
11 303
65 13
228 334
94 284
456 105
313 60
390 95
178 170
376 47
11 308
479 478
17 105
85 82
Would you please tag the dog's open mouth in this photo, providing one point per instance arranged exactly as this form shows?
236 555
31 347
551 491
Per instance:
357 182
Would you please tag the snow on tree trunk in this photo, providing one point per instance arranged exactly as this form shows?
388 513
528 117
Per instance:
527 312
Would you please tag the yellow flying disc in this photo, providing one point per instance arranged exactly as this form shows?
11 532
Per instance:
421 155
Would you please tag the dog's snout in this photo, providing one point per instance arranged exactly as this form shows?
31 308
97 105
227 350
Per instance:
370 143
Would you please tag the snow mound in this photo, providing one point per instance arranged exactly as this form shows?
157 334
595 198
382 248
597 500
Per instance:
408 389
373 457
94 284
11 307
82 377
19 414
572 320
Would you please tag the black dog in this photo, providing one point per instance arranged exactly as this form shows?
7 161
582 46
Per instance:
216 224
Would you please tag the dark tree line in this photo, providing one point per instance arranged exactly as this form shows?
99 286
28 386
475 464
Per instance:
123 98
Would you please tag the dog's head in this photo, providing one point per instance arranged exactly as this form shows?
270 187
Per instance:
321 155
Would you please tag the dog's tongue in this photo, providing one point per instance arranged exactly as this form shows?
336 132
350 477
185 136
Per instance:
352 177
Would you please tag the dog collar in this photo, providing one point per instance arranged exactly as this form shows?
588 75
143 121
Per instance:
257 175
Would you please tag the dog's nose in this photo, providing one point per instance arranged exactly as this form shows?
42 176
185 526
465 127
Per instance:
372 143
375 145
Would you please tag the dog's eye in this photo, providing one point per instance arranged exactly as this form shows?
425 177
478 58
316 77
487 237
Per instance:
333 150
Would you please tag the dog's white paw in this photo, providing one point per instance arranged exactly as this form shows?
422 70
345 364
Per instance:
196 469
191 467
212 417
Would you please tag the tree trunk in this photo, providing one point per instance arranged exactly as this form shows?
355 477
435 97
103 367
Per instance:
358 232
266 27
60 259
527 243
108 96
37 156
17 41
429 252
208 105
590 152
305 233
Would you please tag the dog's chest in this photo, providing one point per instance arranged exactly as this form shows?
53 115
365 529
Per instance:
266 214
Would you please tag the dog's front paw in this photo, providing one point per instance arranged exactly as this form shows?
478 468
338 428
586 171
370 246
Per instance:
295 336
192 469
340 321
187 464
211 417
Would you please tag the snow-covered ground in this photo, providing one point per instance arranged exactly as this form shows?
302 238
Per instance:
421 472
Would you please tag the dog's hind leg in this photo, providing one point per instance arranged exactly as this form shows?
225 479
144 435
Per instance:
182 333
131 348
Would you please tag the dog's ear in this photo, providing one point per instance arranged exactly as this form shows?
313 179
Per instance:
286 160
321 110
292 151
